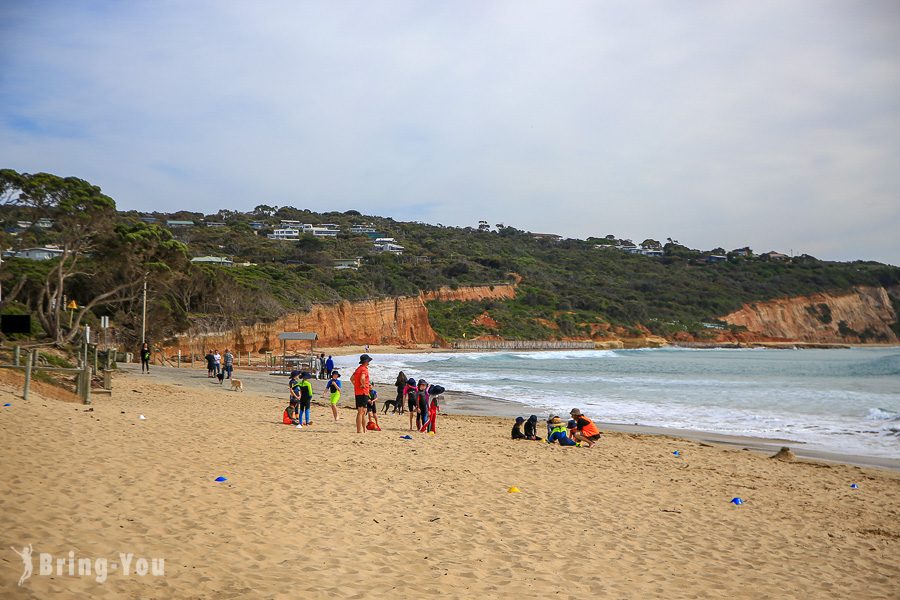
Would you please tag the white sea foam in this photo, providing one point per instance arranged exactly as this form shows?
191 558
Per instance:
839 400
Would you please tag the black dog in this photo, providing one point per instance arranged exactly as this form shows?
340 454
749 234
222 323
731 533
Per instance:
221 377
397 404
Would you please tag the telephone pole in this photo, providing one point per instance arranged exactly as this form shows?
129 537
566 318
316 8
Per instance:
144 317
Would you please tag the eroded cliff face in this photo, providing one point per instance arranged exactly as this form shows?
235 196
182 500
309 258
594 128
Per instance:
397 321
863 315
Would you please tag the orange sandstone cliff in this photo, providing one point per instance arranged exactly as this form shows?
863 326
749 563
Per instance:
397 321
862 315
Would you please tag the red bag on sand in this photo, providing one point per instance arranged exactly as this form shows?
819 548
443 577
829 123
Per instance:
371 426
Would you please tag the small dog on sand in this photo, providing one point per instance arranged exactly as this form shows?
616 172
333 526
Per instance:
220 377
236 385
398 406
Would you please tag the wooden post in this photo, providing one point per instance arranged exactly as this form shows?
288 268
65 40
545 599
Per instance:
17 354
86 382
107 379
29 364
96 350
179 358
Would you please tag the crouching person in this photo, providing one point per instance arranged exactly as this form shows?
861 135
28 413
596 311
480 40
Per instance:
559 433
291 414
585 432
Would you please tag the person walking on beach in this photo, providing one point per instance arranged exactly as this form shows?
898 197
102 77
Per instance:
323 367
400 384
333 391
217 362
586 432
229 363
210 363
145 357
329 366
362 385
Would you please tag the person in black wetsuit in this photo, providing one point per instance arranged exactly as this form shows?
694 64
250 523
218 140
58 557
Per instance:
517 429
531 428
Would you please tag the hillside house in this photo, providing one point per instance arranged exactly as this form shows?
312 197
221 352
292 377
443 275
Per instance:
388 245
43 253
284 234
745 251
213 260
716 258
774 256
347 263
171 223
550 237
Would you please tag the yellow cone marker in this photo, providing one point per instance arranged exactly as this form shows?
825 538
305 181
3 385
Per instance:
513 490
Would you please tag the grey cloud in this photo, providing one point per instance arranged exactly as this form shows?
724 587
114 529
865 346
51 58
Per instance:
718 124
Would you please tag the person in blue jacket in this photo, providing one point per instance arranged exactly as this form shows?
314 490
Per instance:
559 433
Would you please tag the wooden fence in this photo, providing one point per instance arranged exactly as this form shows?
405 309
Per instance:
520 345
84 374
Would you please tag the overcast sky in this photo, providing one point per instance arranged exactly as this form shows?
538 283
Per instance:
774 124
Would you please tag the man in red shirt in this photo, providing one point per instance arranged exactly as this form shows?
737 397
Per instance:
361 388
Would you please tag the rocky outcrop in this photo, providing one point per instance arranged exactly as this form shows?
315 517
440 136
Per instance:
862 315
398 321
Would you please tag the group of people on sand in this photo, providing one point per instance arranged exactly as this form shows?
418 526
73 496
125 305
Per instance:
422 400
219 365
578 431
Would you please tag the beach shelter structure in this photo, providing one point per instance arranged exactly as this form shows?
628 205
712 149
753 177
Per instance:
294 336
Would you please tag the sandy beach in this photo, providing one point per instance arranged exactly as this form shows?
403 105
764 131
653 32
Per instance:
324 512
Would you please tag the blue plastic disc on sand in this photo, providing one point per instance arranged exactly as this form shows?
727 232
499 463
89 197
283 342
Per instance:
405 437
7 404
220 478
677 453
737 501
854 486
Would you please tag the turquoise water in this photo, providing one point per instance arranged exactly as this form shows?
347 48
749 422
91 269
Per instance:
844 401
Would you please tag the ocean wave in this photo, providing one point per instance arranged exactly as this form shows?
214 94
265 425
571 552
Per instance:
881 414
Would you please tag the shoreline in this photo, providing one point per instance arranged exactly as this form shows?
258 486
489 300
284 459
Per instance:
464 403
475 405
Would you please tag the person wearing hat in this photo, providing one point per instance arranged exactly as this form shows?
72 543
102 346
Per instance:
362 385
293 390
305 393
516 431
333 391
531 429
558 433
586 432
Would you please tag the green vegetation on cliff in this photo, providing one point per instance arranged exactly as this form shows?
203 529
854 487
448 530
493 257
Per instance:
568 288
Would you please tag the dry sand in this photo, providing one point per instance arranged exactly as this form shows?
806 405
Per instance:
324 512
